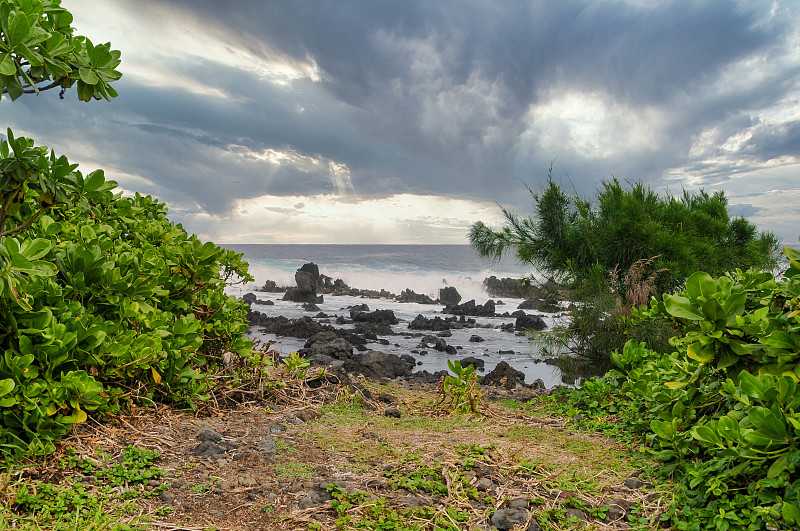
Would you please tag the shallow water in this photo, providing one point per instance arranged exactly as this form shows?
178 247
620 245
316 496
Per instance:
526 355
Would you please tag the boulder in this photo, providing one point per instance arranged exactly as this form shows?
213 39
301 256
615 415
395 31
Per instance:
307 280
502 287
472 309
324 345
504 375
529 322
408 295
537 304
271 287
433 342
472 360
373 364
378 316
506 519
449 296
437 324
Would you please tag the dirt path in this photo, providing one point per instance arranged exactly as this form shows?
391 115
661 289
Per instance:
337 460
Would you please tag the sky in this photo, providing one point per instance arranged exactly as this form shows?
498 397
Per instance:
336 121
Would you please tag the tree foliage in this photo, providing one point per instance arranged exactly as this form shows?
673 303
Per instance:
103 300
575 239
39 51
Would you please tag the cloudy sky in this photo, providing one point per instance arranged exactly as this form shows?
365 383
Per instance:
406 121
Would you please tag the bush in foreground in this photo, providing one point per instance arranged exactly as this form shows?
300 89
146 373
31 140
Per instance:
103 300
722 411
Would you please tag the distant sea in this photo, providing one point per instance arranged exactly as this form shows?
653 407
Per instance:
422 268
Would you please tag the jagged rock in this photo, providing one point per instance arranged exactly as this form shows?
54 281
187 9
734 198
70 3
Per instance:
476 339
530 322
208 434
208 450
375 364
475 362
449 296
470 308
326 344
378 316
504 375
433 342
271 287
307 279
502 287
537 304
426 377
266 445
436 324
408 295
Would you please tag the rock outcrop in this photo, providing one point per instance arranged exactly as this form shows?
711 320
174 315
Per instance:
307 280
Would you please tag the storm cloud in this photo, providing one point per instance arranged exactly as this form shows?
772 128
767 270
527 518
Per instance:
226 106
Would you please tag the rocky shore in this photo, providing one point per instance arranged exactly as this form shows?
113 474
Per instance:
341 342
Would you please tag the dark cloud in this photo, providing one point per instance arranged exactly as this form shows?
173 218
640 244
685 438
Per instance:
436 97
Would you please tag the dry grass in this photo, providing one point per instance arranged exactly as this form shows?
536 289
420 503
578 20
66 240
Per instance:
345 438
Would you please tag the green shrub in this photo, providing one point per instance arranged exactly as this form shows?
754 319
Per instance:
722 411
104 300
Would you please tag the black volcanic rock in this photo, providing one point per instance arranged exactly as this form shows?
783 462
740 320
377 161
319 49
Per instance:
378 316
375 364
530 322
472 309
408 295
449 296
307 279
502 287
504 375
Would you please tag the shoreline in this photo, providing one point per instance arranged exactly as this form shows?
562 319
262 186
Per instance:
410 335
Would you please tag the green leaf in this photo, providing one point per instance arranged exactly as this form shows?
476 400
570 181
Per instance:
778 467
682 308
18 28
779 339
734 305
88 76
34 249
664 430
757 438
791 512
707 435
714 311
700 285
751 385
700 352
6 386
94 181
7 66
85 92
676 385
13 87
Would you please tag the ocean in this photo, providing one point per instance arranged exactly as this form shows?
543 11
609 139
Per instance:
422 268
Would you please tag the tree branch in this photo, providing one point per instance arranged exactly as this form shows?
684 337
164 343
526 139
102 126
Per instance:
24 225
